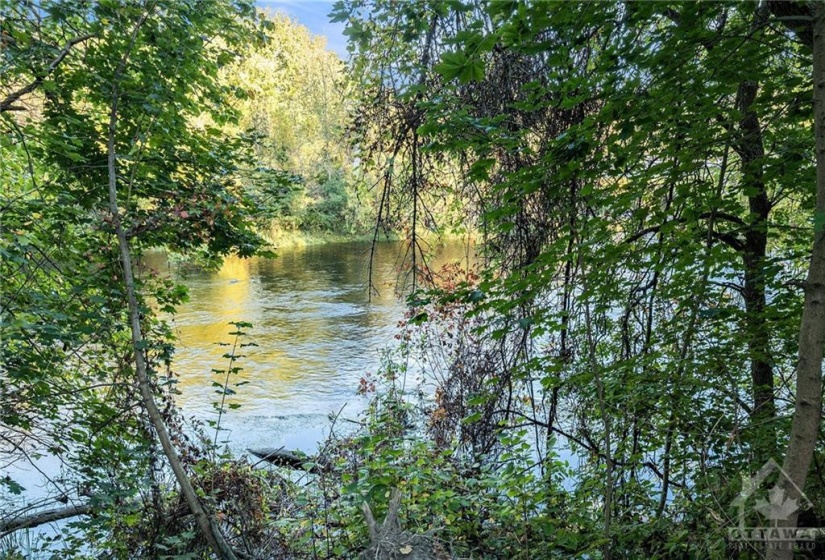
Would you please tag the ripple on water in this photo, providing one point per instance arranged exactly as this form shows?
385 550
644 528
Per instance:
316 329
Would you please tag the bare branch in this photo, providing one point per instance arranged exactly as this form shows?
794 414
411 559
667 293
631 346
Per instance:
35 519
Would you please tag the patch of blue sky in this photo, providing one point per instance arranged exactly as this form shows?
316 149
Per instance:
314 15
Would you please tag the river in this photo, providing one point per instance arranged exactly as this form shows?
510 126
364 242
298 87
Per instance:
317 333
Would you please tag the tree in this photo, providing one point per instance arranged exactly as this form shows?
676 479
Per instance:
294 103
114 104
807 415
640 177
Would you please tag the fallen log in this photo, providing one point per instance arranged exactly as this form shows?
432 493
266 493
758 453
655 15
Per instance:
14 523
290 459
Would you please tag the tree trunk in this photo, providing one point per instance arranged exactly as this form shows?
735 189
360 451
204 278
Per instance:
750 148
389 542
808 406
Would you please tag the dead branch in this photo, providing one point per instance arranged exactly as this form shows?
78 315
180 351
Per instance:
28 520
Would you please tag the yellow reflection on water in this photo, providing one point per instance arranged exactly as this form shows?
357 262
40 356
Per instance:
316 329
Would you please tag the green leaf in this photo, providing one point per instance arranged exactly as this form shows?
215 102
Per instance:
419 318
12 486
452 65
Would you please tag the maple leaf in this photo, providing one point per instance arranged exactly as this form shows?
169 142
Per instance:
778 508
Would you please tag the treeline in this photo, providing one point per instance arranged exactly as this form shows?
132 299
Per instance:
295 107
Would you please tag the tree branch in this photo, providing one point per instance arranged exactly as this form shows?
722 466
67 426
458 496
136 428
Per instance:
35 519
7 103
727 238
798 17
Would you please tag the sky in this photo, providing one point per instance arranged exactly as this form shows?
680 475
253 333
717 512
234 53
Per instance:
312 14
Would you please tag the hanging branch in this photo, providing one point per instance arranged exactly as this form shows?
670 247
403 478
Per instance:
411 120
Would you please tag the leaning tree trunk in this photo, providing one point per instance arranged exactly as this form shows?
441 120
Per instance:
206 524
808 406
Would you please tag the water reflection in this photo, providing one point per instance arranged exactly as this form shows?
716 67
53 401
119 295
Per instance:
316 332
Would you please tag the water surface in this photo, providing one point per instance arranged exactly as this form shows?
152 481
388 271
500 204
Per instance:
317 333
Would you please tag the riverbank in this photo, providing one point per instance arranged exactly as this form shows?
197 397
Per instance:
290 239
281 239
